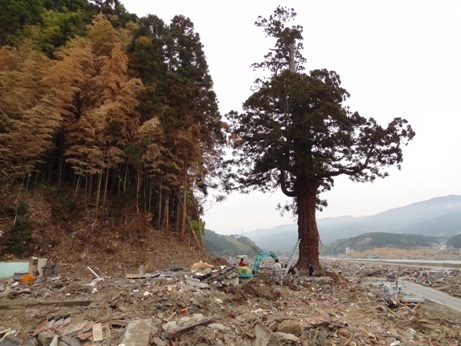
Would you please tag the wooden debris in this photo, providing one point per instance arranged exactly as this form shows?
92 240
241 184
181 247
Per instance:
135 276
94 273
97 332
181 329
29 304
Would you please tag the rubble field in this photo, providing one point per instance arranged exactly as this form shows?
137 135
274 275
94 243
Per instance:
172 295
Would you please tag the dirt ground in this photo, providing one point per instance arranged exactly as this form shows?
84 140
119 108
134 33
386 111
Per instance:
117 279
100 291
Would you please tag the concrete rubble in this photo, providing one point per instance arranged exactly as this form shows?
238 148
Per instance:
352 305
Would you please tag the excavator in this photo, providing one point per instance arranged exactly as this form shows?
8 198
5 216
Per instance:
246 272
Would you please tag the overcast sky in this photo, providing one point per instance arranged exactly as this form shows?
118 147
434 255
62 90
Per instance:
396 58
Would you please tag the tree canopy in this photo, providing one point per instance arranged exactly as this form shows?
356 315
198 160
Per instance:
296 133
112 104
95 97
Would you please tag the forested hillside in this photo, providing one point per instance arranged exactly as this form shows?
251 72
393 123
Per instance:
369 241
111 108
230 245
455 241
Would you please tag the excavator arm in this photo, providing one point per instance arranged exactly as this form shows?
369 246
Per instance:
259 258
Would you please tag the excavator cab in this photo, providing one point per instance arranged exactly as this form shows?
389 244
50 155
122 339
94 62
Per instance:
244 271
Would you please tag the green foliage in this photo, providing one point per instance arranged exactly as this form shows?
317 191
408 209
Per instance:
195 225
454 241
224 246
375 240
296 133
133 153
116 13
15 15
20 233
58 28
58 20
66 5
147 49
297 125
68 92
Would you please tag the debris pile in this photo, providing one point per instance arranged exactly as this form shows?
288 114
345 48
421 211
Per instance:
208 306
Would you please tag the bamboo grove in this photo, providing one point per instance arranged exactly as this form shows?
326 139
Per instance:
95 98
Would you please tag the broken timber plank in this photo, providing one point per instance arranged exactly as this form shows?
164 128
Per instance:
182 329
217 275
41 303
97 332
135 276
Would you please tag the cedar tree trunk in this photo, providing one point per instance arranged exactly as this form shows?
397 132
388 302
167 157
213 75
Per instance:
307 226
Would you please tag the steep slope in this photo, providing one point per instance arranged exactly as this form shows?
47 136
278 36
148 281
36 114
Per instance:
114 244
233 245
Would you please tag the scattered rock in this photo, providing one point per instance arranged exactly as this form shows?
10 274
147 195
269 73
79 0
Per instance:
290 327
166 309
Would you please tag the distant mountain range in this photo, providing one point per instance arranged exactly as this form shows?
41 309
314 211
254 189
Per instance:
437 217
369 241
